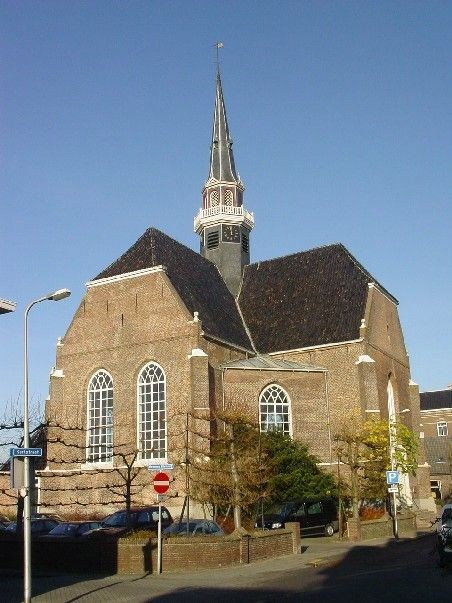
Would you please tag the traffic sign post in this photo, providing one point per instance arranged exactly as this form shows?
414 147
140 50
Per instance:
161 485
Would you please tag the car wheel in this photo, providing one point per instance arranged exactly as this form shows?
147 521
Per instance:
329 530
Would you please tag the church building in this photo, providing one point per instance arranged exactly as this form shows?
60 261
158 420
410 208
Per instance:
164 333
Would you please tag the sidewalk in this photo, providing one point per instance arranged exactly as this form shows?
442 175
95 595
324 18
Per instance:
184 586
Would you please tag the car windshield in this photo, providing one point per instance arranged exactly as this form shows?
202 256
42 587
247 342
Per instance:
447 518
66 529
182 527
117 520
279 509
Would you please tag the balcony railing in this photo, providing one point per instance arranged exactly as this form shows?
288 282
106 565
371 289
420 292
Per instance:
224 210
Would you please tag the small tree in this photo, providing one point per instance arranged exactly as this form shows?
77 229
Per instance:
295 472
367 448
234 473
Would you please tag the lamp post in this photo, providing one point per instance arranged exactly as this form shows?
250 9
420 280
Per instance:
55 296
394 467
395 527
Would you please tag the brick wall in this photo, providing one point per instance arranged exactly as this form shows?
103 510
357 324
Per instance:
137 557
306 391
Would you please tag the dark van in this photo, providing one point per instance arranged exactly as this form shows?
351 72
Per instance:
140 518
315 516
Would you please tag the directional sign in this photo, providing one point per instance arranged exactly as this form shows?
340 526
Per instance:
161 483
393 489
392 477
160 467
25 451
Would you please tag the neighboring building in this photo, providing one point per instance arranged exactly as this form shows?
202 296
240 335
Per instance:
7 306
298 342
436 426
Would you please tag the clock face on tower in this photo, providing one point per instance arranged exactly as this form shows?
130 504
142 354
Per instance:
231 233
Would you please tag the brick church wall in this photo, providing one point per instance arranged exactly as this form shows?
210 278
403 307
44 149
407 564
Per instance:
306 391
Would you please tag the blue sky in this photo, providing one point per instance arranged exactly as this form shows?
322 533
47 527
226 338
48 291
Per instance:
340 114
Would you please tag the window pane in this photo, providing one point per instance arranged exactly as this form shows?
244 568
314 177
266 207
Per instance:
274 410
100 418
152 412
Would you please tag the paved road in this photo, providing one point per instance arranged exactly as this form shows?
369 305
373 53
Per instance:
327 570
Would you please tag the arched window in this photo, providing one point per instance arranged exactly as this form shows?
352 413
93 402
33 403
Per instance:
228 197
391 403
152 412
214 198
274 410
100 418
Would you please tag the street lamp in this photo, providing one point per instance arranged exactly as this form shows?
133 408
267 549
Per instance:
55 296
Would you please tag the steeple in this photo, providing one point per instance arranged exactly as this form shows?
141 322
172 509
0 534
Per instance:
222 166
222 222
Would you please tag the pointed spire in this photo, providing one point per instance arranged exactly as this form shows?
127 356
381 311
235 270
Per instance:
222 167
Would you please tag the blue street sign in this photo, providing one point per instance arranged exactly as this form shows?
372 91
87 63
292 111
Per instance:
160 467
392 477
25 451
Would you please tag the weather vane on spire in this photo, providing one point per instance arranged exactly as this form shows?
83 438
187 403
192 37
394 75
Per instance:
218 45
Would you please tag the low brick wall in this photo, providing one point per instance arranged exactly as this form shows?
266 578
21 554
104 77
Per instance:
382 528
181 553
123 556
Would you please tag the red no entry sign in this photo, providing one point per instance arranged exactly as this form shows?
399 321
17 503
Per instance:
161 483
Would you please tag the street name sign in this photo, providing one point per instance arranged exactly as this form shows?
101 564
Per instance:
392 477
160 467
25 451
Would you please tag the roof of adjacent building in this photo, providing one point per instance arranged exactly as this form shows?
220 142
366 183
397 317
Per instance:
197 281
436 400
267 363
306 299
7 306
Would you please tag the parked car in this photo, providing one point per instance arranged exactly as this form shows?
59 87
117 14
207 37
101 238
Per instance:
39 527
315 516
196 527
73 529
141 518
444 541
46 516
4 522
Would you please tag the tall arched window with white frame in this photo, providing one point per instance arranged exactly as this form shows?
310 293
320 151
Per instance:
274 410
152 433
100 418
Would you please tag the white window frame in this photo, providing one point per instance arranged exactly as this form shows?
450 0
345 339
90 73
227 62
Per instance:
442 429
100 453
157 411
269 397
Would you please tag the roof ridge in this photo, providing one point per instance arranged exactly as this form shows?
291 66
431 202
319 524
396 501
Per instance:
288 255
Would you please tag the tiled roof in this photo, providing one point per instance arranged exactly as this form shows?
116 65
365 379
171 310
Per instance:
438 399
306 299
196 280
